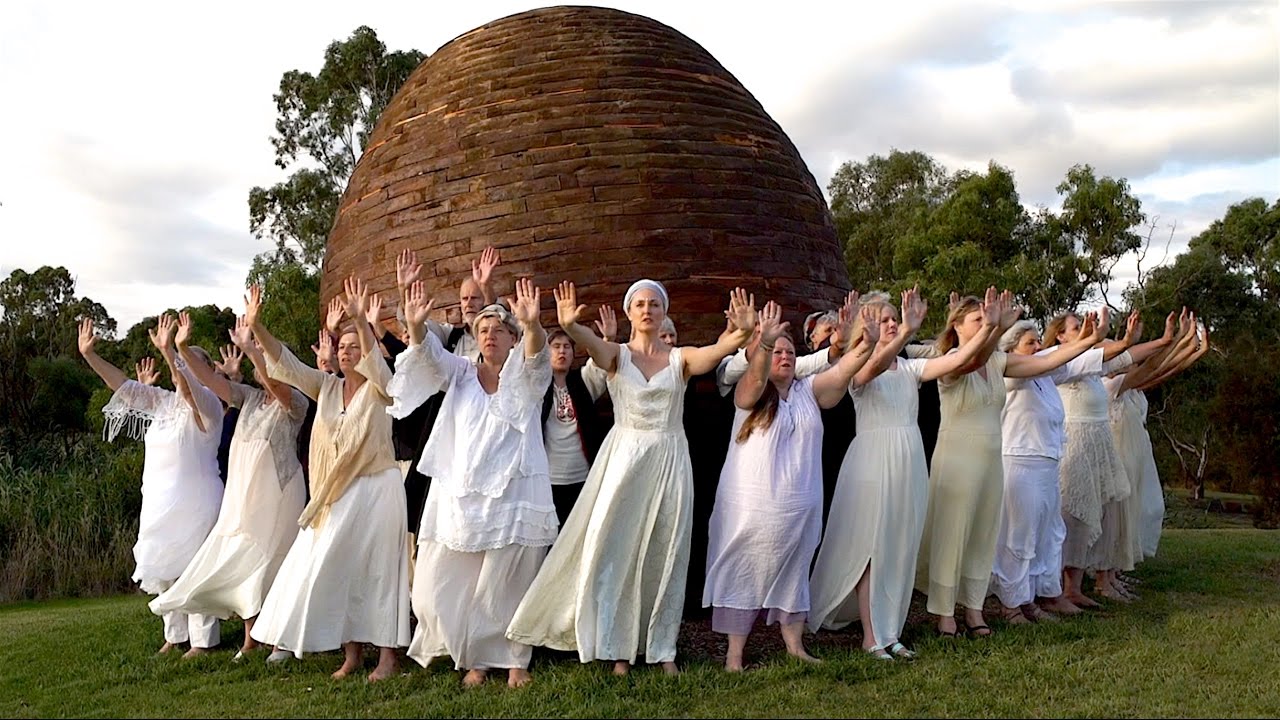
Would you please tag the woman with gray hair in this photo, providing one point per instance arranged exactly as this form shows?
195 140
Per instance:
1028 559
489 515
613 585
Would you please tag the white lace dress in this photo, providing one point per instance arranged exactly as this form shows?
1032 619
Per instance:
878 510
489 515
612 587
234 568
767 519
1091 476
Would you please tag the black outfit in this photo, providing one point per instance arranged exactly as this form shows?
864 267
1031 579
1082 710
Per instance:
229 418
592 429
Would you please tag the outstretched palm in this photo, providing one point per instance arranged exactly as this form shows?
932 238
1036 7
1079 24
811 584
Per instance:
568 311
357 296
184 329
771 325
408 270
525 306
241 335
87 339
417 306
252 305
742 310
914 309
162 335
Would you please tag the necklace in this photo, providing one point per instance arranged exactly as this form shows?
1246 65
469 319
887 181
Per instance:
564 405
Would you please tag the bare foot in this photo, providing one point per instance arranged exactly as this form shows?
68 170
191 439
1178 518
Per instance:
622 667
1014 616
195 652
1062 606
733 666
1112 594
165 648
518 678
1081 600
385 670
474 677
670 668
803 656
249 645
346 669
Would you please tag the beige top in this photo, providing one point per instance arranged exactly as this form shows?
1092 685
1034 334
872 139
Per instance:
346 442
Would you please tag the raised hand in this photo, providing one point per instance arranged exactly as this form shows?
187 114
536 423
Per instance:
607 324
408 269
374 312
848 315
953 300
86 339
992 307
771 325
333 317
323 350
252 305
230 365
184 330
1170 326
1133 328
162 335
417 306
482 271
1009 312
242 334
870 318
145 370
742 310
914 308
357 297
568 311
1091 329
525 305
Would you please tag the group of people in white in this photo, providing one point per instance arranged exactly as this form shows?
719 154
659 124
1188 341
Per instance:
536 524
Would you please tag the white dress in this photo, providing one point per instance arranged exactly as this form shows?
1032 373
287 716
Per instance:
1092 478
489 515
181 487
878 510
767 519
1128 427
613 585
234 568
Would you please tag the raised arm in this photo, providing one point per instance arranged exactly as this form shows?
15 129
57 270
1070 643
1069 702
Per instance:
357 304
162 338
914 310
525 307
482 273
608 324
760 356
1184 359
145 370
830 385
1024 366
742 315
113 376
965 358
252 306
570 315
242 336
205 374
417 306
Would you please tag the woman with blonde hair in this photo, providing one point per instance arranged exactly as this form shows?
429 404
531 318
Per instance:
613 585
966 480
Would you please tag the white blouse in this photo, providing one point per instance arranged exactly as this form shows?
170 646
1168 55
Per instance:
1033 414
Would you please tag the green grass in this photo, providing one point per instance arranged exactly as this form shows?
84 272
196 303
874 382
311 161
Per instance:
1203 641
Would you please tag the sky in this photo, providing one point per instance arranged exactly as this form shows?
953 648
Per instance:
131 133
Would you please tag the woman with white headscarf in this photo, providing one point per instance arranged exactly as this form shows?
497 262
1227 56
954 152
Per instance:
612 587
489 515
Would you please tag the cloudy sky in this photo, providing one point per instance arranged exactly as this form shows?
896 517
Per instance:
130 133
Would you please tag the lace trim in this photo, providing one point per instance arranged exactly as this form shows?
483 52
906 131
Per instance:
1091 474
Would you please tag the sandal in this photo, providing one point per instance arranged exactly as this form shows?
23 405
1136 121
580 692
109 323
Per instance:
1038 614
879 654
976 631
899 650
1014 616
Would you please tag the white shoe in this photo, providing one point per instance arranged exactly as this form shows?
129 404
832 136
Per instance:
278 656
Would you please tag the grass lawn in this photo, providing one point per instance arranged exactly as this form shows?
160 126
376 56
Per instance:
1204 641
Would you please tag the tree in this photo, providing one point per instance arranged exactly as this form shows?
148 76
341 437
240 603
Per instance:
322 125
1099 217
43 388
325 120
1247 239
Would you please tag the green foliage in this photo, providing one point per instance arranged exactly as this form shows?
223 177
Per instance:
1247 239
904 220
39 369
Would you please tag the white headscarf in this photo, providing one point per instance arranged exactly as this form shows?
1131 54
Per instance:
646 284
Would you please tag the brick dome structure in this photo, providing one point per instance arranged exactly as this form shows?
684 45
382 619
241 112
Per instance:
593 145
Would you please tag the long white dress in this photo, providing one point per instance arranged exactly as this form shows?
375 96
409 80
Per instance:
234 568
346 577
181 488
613 585
1092 478
767 519
1128 426
489 515
878 510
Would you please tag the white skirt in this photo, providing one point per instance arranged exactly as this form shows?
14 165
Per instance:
235 567
348 580
465 600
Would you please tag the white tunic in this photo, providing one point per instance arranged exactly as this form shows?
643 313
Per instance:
767 520
234 568
490 485
877 512
1033 415
732 368
613 585
181 487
